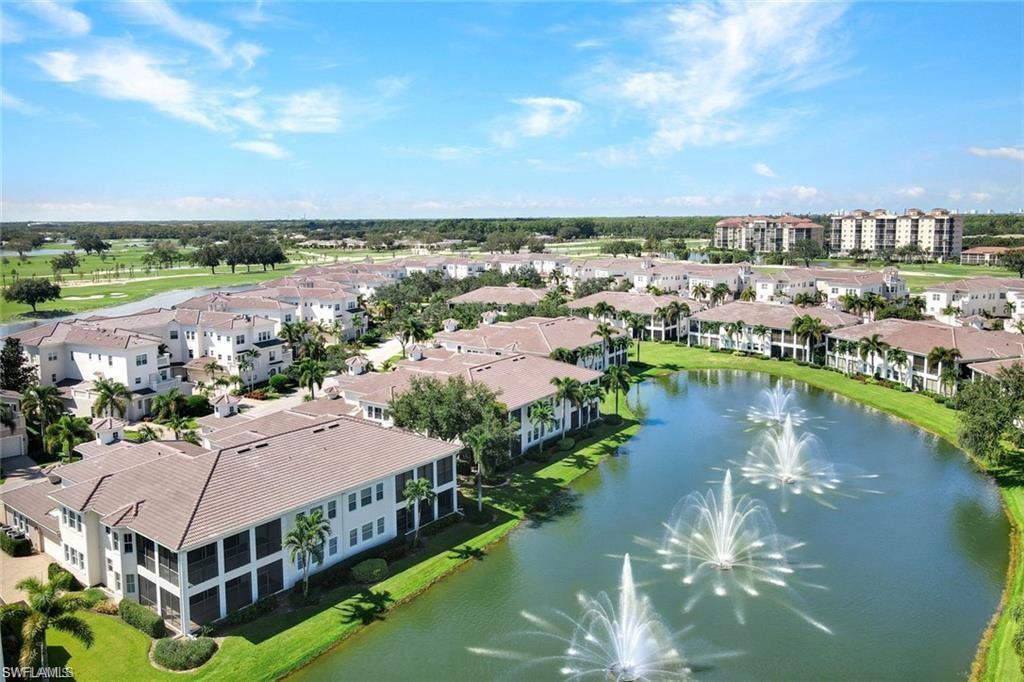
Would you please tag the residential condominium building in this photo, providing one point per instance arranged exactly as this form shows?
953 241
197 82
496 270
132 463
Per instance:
535 336
72 355
196 534
785 284
655 326
938 233
993 296
765 234
500 297
13 438
985 255
243 345
765 328
917 339
521 382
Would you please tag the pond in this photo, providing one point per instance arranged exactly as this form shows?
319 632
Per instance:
902 564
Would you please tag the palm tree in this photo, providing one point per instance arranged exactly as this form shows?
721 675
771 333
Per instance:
293 332
169 404
567 393
181 426
621 343
946 359
591 394
1019 325
1009 308
311 375
542 416
719 293
917 304
477 439
847 348
873 303
748 294
564 355
852 303
65 433
950 311
411 329
147 433
872 347
700 291
603 310
733 330
247 362
606 332
616 379
896 357
7 416
416 491
809 330
42 405
305 542
762 332
312 347
48 606
111 397
212 368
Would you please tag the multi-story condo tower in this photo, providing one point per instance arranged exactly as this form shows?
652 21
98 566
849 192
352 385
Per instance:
938 233
765 234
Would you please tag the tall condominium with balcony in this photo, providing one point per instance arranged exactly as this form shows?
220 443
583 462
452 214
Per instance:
939 233
765 234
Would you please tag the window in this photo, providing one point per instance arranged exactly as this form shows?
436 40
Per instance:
147 592
426 471
353 538
380 526
51 356
202 564
128 543
204 607
172 334
236 550
138 380
146 555
238 592
268 538
117 581
332 546
114 538
367 531
332 509
400 480
351 501
110 565
168 561
240 339
365 496
170 608
269 579
403 521
445 473
141 360
445 502
379 491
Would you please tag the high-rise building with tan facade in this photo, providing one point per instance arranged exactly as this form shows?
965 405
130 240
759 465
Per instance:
939 233
765 234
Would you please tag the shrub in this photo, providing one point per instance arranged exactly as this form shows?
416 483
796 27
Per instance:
940 399
141 618
297 599
198 406
477 517
435 527
106 607
15 546
184 654
279 382
256 394
370 571
253 611
566 444
55 569
1018 642
1017 612
538 455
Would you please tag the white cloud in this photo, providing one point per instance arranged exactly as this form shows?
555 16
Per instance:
264 147
713 62
443 152
60 15
311 111
795 193
127 74
912 192
210 37
980 196
589 44
764 170
13 103
539 117
10 30
1015 153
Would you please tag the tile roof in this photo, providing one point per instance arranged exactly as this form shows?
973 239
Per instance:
991 367
773 315
639 303
83 333
508 295
979 284
536 335
921 337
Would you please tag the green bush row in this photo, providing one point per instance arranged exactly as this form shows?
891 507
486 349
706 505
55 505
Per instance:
370 571
184 654
15 547
253 611
141 618
55 569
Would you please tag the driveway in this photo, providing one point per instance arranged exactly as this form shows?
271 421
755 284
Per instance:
19 471
14 569
379 354
261 408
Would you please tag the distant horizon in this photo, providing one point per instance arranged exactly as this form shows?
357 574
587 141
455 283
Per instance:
269 110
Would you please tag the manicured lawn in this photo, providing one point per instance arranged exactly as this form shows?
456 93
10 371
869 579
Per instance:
274 645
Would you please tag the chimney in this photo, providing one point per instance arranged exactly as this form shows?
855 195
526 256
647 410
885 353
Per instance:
451 324
489 317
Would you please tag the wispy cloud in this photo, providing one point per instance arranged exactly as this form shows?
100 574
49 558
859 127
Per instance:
712 63
10 29
538 117
13 103
266 148
589 44
764 169
912 192
212 38
60 15
311 111
443 152
1015 153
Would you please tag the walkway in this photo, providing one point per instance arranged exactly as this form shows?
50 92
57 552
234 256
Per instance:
19 471
388 349
15 569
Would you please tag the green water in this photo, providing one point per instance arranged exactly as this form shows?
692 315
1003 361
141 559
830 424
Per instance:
911 576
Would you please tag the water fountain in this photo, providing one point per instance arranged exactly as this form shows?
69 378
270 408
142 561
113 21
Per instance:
775 406
624 641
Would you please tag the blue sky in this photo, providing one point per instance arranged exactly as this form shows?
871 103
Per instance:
158 110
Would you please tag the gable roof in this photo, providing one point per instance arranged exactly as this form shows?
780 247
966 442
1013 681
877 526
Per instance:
535 335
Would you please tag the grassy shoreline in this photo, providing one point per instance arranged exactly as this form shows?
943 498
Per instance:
275 646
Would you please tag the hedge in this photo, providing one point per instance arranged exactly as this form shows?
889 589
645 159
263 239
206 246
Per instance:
184 654
55 569
15 547
370 571
141 618
279 382
253 611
